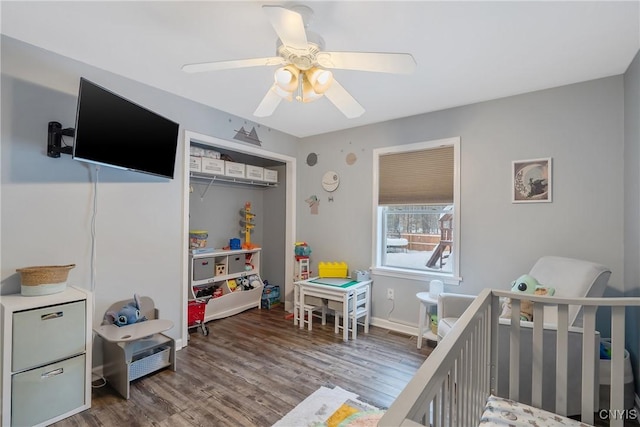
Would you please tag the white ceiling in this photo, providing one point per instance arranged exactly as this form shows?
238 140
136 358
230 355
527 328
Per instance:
466 52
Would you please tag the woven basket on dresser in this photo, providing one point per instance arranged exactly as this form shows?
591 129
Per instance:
44 279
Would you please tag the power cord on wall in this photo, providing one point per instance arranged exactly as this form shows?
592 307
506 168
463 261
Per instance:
98 380
93 230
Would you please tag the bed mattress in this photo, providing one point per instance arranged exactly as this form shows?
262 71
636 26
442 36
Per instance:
504 412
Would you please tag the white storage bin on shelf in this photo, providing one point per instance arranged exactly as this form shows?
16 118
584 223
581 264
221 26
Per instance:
195 164
254 172
270 175
235 170
212 166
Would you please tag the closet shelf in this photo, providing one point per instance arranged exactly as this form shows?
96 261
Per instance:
227 180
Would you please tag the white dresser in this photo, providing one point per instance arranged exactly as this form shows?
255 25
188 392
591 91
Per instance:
46 356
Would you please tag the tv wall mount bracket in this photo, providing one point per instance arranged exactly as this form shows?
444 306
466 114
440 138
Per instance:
54 140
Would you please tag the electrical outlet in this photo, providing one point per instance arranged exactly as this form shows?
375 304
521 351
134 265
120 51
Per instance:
389 293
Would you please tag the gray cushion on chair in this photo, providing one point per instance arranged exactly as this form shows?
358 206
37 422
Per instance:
570 278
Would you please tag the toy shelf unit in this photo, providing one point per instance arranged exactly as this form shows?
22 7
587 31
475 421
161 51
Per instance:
229 279
133 351
46 357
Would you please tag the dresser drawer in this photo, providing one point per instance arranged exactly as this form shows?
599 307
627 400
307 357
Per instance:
48 334
48 391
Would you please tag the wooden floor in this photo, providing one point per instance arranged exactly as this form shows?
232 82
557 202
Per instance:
255 367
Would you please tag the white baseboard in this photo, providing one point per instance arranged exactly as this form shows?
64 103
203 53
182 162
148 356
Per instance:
178 343
97 371
395 326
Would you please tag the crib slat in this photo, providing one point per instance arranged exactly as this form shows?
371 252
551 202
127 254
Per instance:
514 351
461 384
464 395
616 402
588 363
473 352
538 351
438 406
451 393
562 355
493 327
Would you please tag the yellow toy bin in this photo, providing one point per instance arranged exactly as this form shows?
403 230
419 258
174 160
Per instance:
332 269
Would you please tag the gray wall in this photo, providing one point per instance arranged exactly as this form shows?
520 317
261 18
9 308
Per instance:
218 212
632 207
46 203
580 126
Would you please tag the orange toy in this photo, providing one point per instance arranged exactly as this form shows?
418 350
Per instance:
248 226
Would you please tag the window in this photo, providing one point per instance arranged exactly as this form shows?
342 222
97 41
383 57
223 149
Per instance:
416 204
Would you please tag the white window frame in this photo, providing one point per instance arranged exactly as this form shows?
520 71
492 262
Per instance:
449 278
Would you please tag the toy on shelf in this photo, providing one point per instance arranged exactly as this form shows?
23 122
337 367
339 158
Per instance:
302 249
247 226
302 270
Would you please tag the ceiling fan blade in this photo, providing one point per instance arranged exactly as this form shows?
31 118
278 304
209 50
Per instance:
344 101
226 65
268 104
396 63
289 26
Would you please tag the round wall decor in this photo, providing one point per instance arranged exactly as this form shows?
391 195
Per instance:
330 181
312 159
351 158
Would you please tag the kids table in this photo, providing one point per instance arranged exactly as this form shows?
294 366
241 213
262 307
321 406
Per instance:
334 289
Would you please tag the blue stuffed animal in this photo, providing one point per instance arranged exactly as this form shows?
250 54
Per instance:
128 314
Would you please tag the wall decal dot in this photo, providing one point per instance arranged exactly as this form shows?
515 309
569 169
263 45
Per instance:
312 159
351 158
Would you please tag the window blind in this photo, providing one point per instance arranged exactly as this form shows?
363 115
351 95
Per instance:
416 177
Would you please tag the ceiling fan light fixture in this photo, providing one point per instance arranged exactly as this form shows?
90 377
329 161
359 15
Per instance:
305 65
320 79
282 93
286 78
306 93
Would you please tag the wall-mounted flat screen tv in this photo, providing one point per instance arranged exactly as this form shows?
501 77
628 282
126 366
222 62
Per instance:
113 131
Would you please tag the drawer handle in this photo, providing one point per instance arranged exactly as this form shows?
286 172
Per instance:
52 373
49 316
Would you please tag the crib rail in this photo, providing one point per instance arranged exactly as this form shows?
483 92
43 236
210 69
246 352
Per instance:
451 387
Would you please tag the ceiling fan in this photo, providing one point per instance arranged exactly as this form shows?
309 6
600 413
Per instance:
304 73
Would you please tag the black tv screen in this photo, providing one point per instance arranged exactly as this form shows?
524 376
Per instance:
113 131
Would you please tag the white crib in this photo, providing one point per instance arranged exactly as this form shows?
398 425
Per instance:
456 381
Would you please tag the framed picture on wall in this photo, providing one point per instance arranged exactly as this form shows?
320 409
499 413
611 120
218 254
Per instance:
531 181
